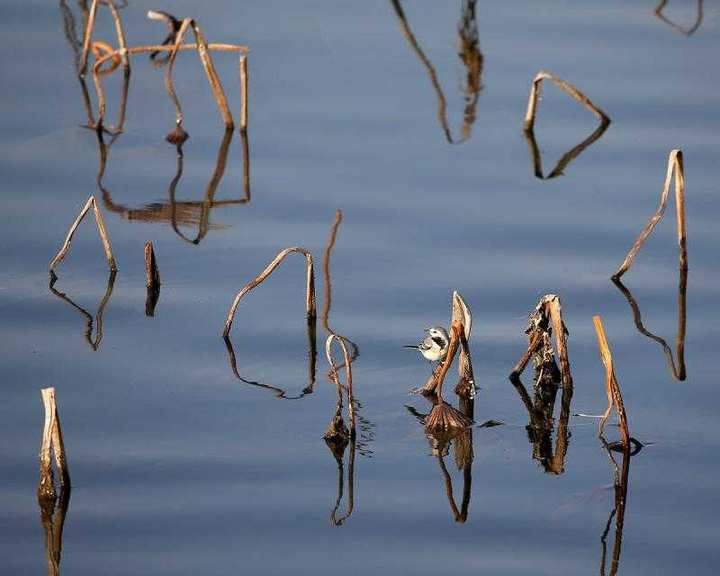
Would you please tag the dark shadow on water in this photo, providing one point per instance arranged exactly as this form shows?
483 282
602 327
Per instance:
278 392
621 474
89 321
541 426
569 156
52 519
685 31
677 370
181 213
469 54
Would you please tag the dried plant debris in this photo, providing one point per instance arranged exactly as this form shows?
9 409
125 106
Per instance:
60 256
674 167
310 306
612 388
545 322
107 59
531 113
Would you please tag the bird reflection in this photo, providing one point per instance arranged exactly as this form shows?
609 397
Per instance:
52 518
469 54
677 370
94 343
181 213
685 31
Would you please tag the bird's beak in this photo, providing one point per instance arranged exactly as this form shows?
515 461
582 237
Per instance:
427 329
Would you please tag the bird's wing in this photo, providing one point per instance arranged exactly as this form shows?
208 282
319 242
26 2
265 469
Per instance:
438 340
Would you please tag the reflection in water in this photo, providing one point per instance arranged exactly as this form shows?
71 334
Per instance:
621 477
461 441
52 518
677 370
686 31
80 56
279 392
540 411
181 213
337 436
543 323
98 320
566 158
471 57
529 123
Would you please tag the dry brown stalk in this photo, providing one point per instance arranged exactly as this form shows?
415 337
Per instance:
88 37
203 50
347 361
444 417
547 315
612 387
327 301
565 87
152 275
91 203
52 441
461 313
152 280
674 165
685 31
310 308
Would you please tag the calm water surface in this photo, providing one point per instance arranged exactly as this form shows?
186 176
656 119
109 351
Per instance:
178 467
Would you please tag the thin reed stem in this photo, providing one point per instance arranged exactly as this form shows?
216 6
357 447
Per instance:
566 87
91 203
310 306
674 166
612 388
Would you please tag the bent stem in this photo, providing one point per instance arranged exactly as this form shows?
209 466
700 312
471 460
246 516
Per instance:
612 388
566 87
204 49
674 166
310 307
348 373
91 203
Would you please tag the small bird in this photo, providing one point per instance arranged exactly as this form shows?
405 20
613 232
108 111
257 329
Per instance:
435 346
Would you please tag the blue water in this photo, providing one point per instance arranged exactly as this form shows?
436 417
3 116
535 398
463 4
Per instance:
179 468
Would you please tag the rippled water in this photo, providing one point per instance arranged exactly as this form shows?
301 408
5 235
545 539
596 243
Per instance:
178 467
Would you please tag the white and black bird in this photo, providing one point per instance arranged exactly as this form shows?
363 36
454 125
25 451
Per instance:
435 345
